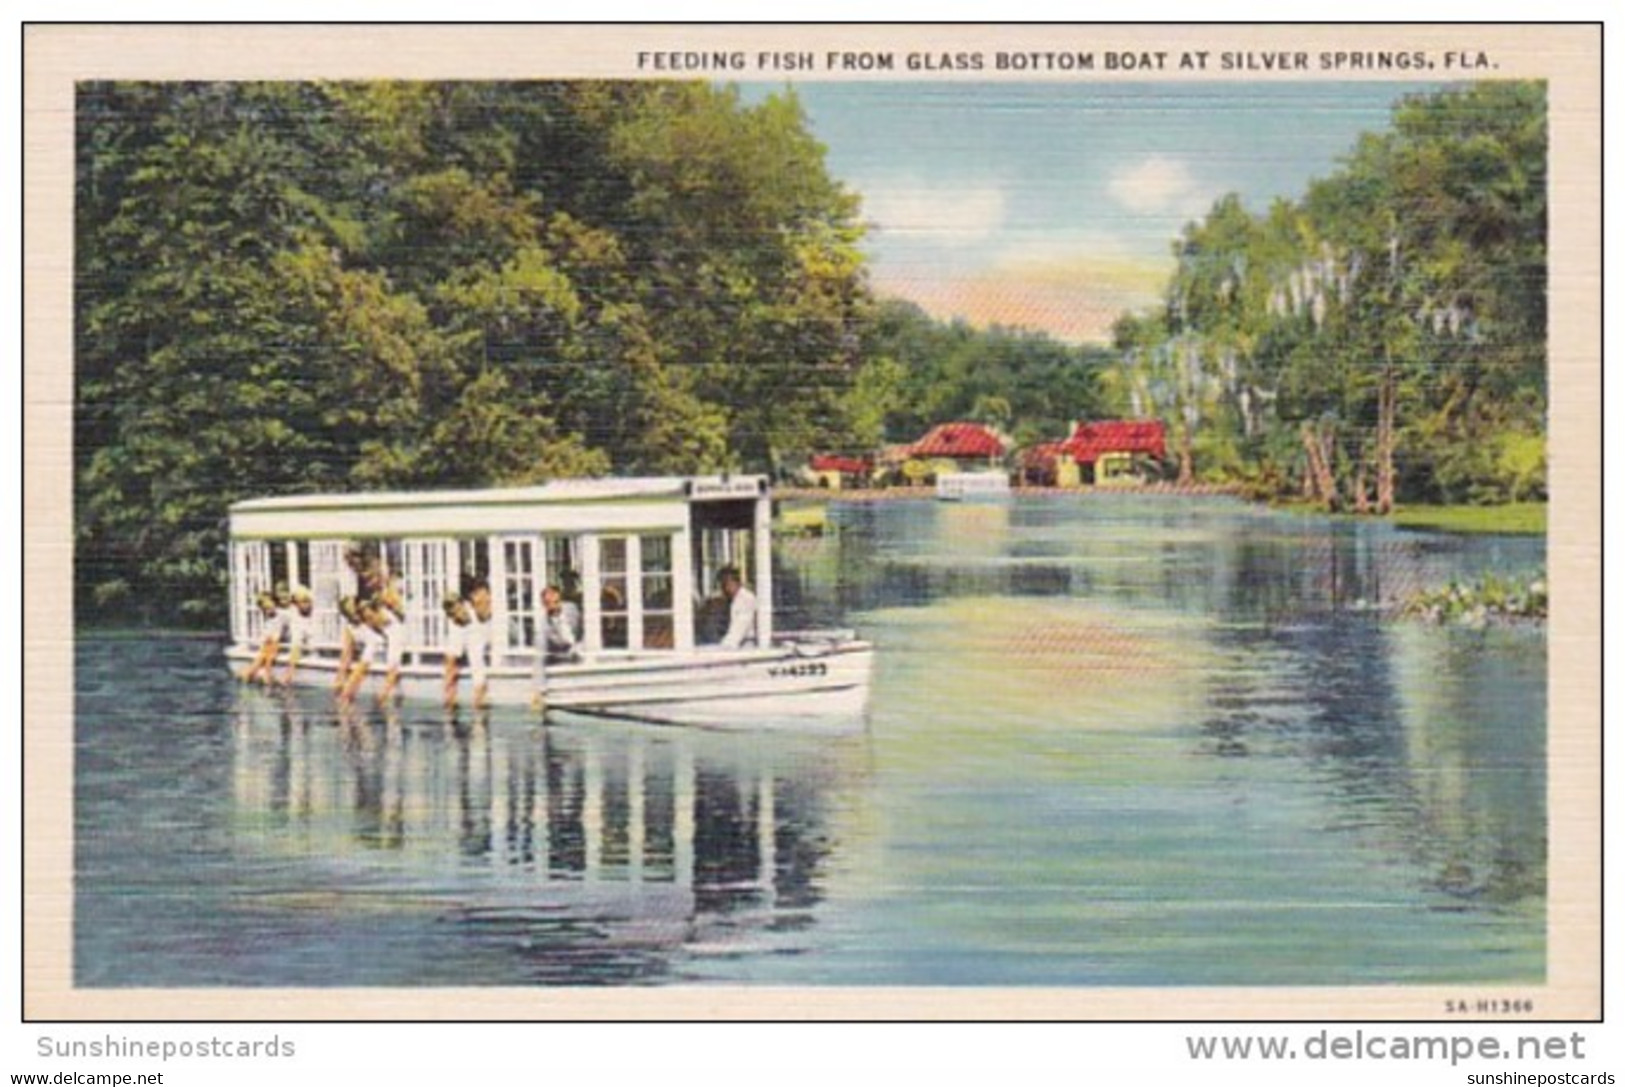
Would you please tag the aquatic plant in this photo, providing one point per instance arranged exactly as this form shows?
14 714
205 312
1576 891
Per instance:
1492 598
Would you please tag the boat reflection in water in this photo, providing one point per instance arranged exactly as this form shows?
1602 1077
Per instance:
602 853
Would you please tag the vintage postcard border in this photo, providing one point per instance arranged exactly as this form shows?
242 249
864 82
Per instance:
1568 57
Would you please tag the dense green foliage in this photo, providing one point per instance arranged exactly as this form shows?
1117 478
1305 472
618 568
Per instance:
302 287
1381 340
299 287
919 372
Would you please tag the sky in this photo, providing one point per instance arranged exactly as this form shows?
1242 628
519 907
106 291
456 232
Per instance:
1054 206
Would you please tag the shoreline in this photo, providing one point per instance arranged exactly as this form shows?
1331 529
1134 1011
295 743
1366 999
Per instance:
887 494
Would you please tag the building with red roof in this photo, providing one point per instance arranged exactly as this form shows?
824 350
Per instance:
1089 441
1116 439
833 472
960 442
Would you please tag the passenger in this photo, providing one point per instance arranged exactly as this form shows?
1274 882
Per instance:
570 586
364 566
479 629
300 629
349 643
380 638
464 638
561 625
372 582
390 596
710 619
275 625
560 638
478 595
363 645
615 631
389 613
741 609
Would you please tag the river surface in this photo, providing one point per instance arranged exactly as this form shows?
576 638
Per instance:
1113 741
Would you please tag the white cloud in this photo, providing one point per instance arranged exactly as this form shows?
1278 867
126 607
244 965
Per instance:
921 210
1159 185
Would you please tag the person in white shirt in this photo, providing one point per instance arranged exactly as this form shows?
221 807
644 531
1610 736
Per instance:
479 628
349 640
561 625
465 637
561 636
741 609
379 638
275 626
300 629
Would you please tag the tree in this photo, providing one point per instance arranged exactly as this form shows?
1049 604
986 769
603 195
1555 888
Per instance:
325 286
1389 326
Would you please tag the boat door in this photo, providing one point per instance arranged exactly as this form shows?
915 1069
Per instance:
330 578
251 576
427 569
516 592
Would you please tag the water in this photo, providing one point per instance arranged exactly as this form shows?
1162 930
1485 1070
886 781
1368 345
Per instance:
1113 742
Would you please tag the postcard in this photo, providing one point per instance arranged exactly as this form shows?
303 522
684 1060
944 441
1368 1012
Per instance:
1077 522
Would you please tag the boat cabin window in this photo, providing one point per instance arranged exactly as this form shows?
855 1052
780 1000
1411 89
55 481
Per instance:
473 563
614 611
522 567
280 566
723 535
659 621
519 594
631 586
426 572
330 579
250 576
564 566
298 563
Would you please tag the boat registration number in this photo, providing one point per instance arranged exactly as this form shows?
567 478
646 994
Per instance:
811 668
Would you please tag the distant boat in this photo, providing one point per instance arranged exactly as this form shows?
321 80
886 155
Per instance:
972 486
637 555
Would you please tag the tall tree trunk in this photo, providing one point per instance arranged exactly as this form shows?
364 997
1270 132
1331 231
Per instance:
1386 397
1315 444
1362 500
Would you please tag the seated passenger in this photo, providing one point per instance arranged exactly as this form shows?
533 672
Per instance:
349 635
275 626
741 609
561 625
300 629
559 639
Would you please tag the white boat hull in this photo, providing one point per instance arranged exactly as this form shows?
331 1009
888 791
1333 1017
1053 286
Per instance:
794 683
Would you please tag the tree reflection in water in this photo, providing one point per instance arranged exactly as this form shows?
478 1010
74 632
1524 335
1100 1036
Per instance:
601 853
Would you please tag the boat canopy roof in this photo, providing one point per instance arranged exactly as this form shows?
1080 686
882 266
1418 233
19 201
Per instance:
578 503
697 488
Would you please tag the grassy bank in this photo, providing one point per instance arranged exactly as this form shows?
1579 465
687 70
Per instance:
1517 518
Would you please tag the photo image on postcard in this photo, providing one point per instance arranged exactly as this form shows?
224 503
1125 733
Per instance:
711 530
